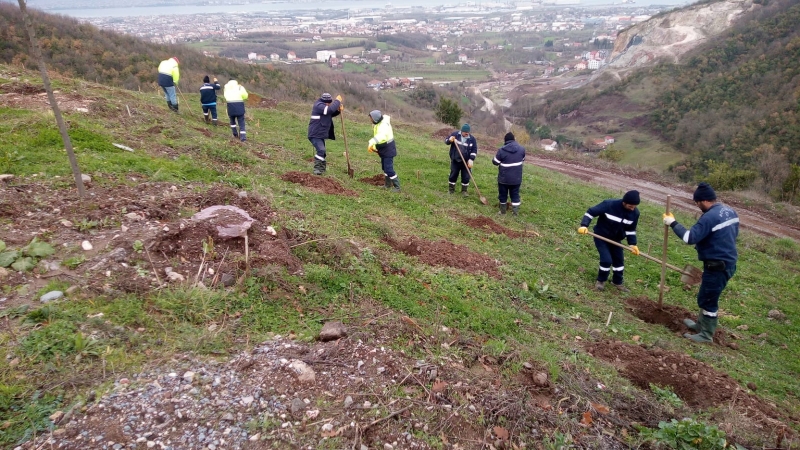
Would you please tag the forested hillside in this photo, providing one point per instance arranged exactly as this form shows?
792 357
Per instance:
732 106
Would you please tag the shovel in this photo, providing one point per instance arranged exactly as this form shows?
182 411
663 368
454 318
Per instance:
689 274
350 170
475 183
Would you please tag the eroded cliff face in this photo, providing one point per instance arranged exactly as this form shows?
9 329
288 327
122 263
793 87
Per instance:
669 36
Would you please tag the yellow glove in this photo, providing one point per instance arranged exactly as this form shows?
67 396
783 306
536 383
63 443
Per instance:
215 79
452 139
668 219
583 230
371 149
635 250
469 163
339 97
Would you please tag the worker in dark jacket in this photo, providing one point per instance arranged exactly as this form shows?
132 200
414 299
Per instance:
320 127
168 76
235 95
714 237
464 143
617 220
382 143
208 99
510 158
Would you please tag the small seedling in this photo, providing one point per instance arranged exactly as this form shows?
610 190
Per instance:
75 261
27 257
86 225
138 246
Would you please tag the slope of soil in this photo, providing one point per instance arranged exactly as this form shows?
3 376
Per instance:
485 223
324 185
671 316
444 253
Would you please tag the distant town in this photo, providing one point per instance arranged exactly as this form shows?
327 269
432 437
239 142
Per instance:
552 21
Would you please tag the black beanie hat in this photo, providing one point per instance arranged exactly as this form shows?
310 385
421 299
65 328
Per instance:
205 79
703 192
631 198
509 137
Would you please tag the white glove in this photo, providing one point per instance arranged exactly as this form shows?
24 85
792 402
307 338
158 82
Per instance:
668 219
469 163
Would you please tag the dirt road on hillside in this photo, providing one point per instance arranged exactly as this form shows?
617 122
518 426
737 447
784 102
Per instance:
757 221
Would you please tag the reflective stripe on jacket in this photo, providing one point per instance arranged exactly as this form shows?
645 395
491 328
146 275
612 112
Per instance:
235 94
714 235
168 73
208 93
510 158
469 148
383 138
613 220
321 123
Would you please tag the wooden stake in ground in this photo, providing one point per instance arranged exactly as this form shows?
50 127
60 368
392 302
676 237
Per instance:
37 54
664 260
350 171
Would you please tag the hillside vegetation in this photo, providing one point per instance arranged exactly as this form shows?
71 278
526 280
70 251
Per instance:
731 106
525 352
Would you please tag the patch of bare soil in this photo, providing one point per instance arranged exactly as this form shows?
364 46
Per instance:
205 132
325 185
155 129
697 384
138 233
487 224
377 180
444 253
442 133
670 316
269 103
27 96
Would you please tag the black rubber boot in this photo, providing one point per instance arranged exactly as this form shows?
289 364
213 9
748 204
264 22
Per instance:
396 185
214 122
318 170
205 117
387 183
175 107
515 210
169 105
503 207
451 189
707 326
323 167
464 190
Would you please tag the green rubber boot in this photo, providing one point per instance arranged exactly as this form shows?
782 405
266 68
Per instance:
503 207
691 324
707 326
396 185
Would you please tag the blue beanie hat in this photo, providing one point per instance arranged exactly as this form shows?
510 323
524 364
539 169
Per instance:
326 98
631 198
704 192
465 128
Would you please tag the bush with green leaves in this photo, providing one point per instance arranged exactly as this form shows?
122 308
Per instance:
27 257
687 434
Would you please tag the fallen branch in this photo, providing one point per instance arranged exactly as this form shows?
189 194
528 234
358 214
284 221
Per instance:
155 272
375 422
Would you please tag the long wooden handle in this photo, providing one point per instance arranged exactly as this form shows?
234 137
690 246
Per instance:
642 254
664 259
346 148
474 183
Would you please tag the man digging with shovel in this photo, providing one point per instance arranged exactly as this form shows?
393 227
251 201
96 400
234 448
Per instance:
714 237
617 220
465 150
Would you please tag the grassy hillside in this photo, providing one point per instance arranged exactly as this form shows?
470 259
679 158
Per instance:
511 300
730 107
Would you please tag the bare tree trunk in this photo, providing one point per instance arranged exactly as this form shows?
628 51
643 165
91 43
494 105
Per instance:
37 54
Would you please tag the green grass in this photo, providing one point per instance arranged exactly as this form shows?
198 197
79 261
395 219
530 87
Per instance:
558 267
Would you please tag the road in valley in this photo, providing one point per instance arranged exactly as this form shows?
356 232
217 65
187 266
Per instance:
756 221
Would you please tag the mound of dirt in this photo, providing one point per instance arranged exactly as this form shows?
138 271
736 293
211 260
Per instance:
697 384
485 223
324 185
444 253
16 87
377 180
442 133
670 316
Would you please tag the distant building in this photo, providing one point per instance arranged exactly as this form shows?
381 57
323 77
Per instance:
252 55
291 56
610 139
274 57
324 55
